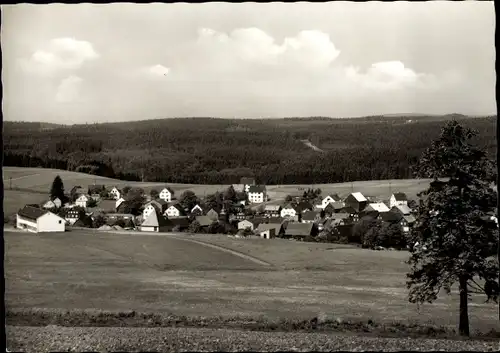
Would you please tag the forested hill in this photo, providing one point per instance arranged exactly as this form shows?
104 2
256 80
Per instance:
221 151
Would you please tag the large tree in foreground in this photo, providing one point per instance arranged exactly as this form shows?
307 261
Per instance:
456 235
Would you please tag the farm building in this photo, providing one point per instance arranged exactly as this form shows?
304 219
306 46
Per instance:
269 230
166 194
398 198
272 210
56 203
304 206
329 199
160 205
37 220
357 201
257 194
245 224
115 193
289 211
82 200
174 210
72 216
300 230
155 222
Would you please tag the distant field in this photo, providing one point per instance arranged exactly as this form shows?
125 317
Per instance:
40 179
163 273
14 200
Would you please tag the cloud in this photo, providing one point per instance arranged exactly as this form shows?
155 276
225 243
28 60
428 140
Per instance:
308 49
388 75
155 71
68 90
60 54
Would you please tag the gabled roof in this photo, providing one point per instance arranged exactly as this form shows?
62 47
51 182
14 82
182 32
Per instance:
377 206
177 206
267 226
154 220
410 218
32 213
204 221
335 197
290 206
84 194
299 229
275 208
247 181
403 209
257 188
348 209
309 216
391 216
117 188
340 216
359 196
304 205
245 220
337 205
107 205
168 188
198 207
400 196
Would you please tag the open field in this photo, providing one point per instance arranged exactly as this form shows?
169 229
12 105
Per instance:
40 180
166 274
15 200
124 339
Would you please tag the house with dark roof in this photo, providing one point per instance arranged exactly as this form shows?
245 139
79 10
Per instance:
403 209
290 211
309 217
272 210
166 194
270 230
37 220
204 221
257 194
149 208
155 222
213 214
357 201
95 190
116 193
300 230
398 198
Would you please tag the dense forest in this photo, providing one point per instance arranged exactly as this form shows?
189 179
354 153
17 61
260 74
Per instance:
221 151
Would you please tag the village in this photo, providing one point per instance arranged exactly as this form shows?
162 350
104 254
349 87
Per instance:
243 210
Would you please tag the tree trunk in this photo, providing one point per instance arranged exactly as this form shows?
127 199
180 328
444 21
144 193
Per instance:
463 326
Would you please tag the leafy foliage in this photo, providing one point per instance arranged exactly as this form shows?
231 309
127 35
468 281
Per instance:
454 228
201 150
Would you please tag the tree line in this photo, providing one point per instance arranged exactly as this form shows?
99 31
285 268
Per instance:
221 151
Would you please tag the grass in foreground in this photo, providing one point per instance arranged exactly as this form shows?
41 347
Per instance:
165 275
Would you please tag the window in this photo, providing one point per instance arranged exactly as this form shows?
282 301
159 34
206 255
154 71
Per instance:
60 222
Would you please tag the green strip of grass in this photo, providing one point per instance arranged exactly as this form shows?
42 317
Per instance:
99 318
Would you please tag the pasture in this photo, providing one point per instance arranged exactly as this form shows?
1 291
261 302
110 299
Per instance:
15 200
170 274
40 180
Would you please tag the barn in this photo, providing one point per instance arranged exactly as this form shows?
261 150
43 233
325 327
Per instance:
37 220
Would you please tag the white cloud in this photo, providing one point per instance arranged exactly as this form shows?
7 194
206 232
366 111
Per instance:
388 75
60 54
68 90
156 70
308 49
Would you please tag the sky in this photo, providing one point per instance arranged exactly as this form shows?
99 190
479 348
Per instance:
87 63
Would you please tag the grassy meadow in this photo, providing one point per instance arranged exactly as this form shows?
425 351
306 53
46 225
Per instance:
39 180
169 274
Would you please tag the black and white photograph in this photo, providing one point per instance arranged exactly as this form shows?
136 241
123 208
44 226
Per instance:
250 177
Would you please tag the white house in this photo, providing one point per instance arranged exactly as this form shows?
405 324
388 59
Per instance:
166 194
398 198
72 216
115 193
82 200
257 194
174 211
288 211
328 199
151 206
37 220
119 202
155 222
245 224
